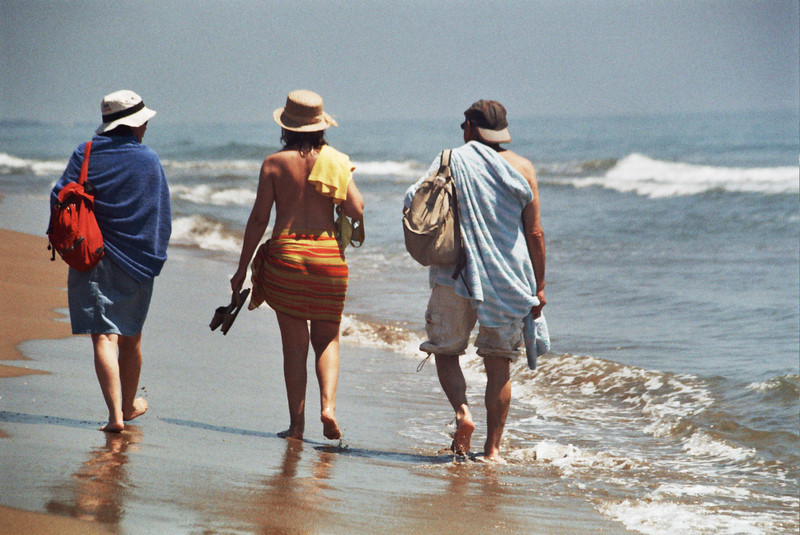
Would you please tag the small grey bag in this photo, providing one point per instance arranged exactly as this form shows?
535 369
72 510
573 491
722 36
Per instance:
430 226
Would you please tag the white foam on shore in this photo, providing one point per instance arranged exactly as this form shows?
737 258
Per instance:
702 445
357 332
586 397
652 516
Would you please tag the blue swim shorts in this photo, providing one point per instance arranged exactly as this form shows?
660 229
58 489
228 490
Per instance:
106 300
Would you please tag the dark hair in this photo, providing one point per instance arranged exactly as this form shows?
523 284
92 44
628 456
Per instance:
476 136
122 130
311 140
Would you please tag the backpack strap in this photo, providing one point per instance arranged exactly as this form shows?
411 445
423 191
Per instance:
444 172
444 164
85 166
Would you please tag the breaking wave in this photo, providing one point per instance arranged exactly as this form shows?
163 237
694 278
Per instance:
11 165
196 231
653 178
207 194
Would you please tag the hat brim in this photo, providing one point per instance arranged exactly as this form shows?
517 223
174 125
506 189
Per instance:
325 122
134 120
494 136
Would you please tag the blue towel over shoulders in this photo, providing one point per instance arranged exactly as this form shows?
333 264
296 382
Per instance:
132 204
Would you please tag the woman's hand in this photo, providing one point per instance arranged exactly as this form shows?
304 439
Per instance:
237 281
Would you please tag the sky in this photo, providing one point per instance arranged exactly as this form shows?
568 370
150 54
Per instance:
199 62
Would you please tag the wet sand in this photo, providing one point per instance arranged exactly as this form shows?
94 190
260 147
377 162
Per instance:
206 457
32 289
15 521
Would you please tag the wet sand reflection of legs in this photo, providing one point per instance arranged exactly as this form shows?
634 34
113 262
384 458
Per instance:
296 498
97 489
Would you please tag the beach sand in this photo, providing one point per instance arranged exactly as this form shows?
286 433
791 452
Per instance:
206 457
32 290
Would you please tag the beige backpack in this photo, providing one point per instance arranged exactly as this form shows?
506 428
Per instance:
430 226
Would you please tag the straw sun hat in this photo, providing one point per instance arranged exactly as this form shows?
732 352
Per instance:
303 113
123 107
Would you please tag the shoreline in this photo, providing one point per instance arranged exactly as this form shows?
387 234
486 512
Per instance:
99 482
33 290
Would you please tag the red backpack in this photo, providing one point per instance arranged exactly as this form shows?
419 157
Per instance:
73 230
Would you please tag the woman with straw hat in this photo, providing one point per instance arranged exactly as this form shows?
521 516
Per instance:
301 270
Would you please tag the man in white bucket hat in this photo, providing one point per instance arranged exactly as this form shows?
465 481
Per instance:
301 271
132 206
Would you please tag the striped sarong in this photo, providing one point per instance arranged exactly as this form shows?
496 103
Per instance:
302 274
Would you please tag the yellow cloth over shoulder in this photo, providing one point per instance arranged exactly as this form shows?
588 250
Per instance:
332 173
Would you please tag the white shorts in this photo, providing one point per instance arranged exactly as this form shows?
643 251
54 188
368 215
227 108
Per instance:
449 321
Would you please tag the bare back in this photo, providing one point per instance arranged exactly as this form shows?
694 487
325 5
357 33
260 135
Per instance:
283 182
298 206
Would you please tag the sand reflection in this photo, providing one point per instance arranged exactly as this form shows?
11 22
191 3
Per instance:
297 498
470 494
97 490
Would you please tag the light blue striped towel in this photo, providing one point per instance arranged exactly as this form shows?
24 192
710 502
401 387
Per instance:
537 338
499 273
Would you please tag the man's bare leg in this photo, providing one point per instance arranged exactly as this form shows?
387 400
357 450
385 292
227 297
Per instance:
455 388
295 339
325 341
106 366
497 399
130 367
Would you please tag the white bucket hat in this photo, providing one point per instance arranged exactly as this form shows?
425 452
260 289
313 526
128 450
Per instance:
303 113
123 107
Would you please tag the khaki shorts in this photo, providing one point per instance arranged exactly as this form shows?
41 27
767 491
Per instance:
449 321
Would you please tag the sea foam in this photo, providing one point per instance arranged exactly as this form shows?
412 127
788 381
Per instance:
206 194
653 178
400 169
196 231
11 165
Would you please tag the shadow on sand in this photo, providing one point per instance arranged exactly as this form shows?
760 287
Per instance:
22 418
341 448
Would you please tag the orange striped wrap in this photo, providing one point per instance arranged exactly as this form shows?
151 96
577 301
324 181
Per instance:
302 274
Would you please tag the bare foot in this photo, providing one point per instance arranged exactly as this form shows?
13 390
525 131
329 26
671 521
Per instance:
330 428
464 428
493 457
290 433
139 408
113 427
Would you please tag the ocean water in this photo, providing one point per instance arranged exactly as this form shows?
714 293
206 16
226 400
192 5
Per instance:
670 400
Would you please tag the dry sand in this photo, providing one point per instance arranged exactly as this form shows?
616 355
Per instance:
32 288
